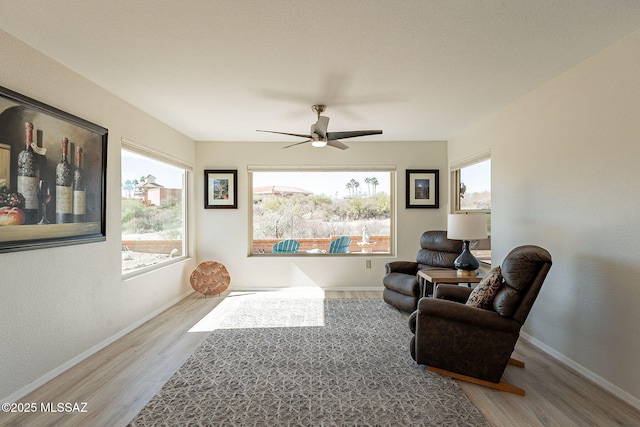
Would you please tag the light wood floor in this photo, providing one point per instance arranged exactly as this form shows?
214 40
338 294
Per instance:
118 381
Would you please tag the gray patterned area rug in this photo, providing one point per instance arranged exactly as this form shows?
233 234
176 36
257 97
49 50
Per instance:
307 362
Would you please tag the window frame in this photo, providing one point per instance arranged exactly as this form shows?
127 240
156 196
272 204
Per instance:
391 169
187 168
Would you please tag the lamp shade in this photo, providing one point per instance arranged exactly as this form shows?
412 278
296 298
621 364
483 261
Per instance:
467 226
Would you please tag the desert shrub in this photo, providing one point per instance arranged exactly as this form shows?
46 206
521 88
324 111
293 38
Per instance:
317 216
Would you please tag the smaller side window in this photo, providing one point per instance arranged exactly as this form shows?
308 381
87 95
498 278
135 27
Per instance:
474 187
472 193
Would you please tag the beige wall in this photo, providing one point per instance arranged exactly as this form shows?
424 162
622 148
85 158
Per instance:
564 171
223 234
59 304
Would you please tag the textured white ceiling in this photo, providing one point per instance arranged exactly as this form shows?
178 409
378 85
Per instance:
418 69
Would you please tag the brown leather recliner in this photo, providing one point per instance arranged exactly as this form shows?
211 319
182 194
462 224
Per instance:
402 286
475 344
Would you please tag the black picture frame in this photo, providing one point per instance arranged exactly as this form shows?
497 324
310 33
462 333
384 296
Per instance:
50 125
220 189
423 189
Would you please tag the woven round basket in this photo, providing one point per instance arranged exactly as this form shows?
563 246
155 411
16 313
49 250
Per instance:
210 278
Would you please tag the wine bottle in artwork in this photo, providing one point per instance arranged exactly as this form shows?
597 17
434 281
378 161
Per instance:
79 193
28 176
64 187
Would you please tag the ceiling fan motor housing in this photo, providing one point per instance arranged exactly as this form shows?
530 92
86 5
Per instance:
318 108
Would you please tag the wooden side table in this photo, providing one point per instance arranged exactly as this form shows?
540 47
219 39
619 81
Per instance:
445 276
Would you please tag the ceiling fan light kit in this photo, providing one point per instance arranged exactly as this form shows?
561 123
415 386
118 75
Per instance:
319 143
319 137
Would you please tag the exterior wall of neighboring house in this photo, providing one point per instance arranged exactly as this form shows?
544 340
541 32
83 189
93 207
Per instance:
156 196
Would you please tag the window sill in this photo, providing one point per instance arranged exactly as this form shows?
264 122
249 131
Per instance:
151 268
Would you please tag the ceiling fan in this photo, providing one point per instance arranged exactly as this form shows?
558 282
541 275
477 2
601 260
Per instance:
319 137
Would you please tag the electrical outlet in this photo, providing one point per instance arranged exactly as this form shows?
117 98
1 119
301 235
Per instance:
368 263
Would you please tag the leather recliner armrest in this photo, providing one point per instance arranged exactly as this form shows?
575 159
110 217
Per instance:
452 292
461 313
405 267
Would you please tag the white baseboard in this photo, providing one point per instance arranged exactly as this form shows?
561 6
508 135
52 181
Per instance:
598 380
309 288
14 397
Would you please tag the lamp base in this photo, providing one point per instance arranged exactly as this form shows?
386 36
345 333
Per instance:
467 273
466 261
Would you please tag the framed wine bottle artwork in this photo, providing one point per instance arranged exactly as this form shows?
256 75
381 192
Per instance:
53 169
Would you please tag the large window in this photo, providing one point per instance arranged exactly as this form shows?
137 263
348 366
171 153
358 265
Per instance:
153 210
472 193
307 211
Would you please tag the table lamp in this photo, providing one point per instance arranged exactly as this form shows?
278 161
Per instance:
466 227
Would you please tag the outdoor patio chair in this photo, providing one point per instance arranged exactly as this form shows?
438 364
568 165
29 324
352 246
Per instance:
288 246
340 245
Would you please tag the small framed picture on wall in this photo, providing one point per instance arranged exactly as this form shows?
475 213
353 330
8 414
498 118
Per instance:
220 189
422 189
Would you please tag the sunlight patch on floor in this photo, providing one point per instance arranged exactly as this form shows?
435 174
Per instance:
266 309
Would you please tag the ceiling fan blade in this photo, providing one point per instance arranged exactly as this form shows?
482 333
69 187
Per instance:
321 126
286 133
352 134
298 143
337 144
